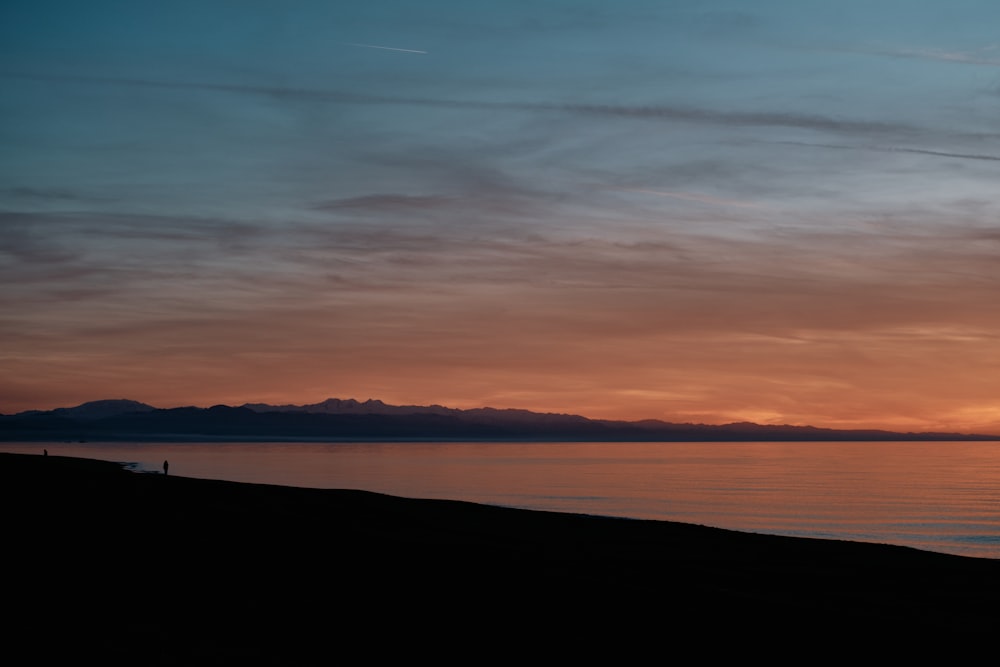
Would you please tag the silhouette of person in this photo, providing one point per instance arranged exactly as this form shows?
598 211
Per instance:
45 452
166 467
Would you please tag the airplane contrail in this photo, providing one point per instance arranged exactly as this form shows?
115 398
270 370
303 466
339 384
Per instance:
386 48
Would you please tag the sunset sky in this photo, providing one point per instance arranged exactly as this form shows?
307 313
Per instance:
780 211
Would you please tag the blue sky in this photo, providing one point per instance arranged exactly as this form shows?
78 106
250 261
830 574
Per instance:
775 211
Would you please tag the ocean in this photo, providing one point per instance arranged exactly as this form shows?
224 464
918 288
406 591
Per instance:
936 496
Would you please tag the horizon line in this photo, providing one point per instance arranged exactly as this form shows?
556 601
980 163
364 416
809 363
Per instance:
509 409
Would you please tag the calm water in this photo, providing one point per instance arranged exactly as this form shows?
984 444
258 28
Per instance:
940 496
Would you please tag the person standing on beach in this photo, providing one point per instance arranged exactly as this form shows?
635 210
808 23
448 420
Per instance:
166 467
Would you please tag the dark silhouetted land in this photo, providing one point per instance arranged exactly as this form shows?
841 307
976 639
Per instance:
107 566
336 419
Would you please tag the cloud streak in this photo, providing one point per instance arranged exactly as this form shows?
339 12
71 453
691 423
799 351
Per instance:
891 149
637 112
695 197
979 57
386 202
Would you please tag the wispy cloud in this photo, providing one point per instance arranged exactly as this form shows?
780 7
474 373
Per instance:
695 197
49 195
984 56
661 112
732 118
891 149
386 202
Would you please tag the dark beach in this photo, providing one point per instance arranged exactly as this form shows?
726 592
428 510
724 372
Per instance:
110 566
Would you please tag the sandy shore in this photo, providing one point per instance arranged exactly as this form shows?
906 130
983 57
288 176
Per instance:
111 564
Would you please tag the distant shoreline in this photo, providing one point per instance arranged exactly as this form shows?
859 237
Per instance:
278 439
336 420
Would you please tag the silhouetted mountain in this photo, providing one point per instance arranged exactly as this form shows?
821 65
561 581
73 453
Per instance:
101 409
376 407
337 419
93 409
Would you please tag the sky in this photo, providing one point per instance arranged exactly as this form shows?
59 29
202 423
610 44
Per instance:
779 211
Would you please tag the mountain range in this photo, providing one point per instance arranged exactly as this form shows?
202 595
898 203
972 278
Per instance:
350 420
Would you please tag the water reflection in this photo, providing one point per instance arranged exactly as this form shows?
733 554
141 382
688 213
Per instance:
943 496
